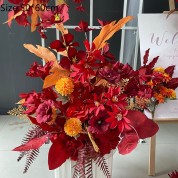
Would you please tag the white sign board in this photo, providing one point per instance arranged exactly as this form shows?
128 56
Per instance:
160 33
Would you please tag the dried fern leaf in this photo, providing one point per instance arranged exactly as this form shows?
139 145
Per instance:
31 155
101 163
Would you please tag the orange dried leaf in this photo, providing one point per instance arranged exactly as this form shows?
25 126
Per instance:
108 31
34 16
41 52
61 28
58 73
34 21
21 101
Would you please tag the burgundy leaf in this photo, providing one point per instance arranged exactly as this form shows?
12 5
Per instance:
170 70
145 58
173 83
81 8
57 154
145 127
152 63
128 143
103 23
82 27
34 143
77 1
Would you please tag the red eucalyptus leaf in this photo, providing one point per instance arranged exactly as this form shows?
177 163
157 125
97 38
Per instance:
173 83
128 143
170 70
57 154
34 143
145 127
148 129
145 58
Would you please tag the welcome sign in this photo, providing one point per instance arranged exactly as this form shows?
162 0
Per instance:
160 33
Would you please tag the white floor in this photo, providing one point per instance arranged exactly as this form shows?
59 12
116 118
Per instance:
133 165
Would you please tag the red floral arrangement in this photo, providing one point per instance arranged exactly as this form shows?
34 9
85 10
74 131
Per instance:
152 85
90 103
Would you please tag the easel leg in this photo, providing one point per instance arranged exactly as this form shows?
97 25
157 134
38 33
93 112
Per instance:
151 168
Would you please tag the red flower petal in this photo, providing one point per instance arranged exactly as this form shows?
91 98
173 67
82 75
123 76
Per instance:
57 45
128 143
57 154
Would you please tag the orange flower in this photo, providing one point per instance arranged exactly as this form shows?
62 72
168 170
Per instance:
163 90
159 97
171 94
64 86
150 83
167 78
159 69
73 127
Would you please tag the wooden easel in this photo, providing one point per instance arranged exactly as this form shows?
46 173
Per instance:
152 149
172 5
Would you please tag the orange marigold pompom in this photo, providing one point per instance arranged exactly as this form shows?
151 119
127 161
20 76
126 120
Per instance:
73 127
158 69
171 93
159 97
64 86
